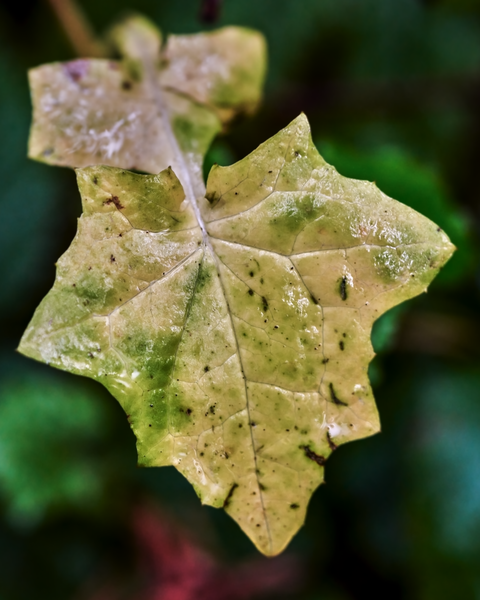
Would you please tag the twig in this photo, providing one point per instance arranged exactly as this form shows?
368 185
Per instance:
77 28
210 11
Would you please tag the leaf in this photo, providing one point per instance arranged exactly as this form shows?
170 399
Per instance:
27 255
235 332
139 113
52 447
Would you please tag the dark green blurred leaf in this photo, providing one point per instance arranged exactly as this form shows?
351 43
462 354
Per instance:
219 153
30 227
445 460
53 446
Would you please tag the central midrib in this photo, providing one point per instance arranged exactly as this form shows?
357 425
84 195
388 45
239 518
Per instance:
186 179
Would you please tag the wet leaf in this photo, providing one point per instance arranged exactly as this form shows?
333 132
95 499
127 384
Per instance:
235 331
138 112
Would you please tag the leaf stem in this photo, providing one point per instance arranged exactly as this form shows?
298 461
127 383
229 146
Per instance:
77 28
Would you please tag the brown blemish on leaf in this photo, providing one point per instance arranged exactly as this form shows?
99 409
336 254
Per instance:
309 453
76 69
229 495
334 396
343 288
331 443
116 201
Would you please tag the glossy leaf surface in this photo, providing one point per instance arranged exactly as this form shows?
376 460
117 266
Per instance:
235 331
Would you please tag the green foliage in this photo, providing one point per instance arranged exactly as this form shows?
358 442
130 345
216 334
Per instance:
30 200
51 461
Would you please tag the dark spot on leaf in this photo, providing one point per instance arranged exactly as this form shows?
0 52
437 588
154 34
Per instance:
116 201
206 369
264 304
126 85
309 453
251 273
189 411
229 495
250 292
76 69
341 345
112 258
343 288
331 444
334 396
294 506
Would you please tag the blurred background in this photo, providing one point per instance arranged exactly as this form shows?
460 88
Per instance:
392 91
